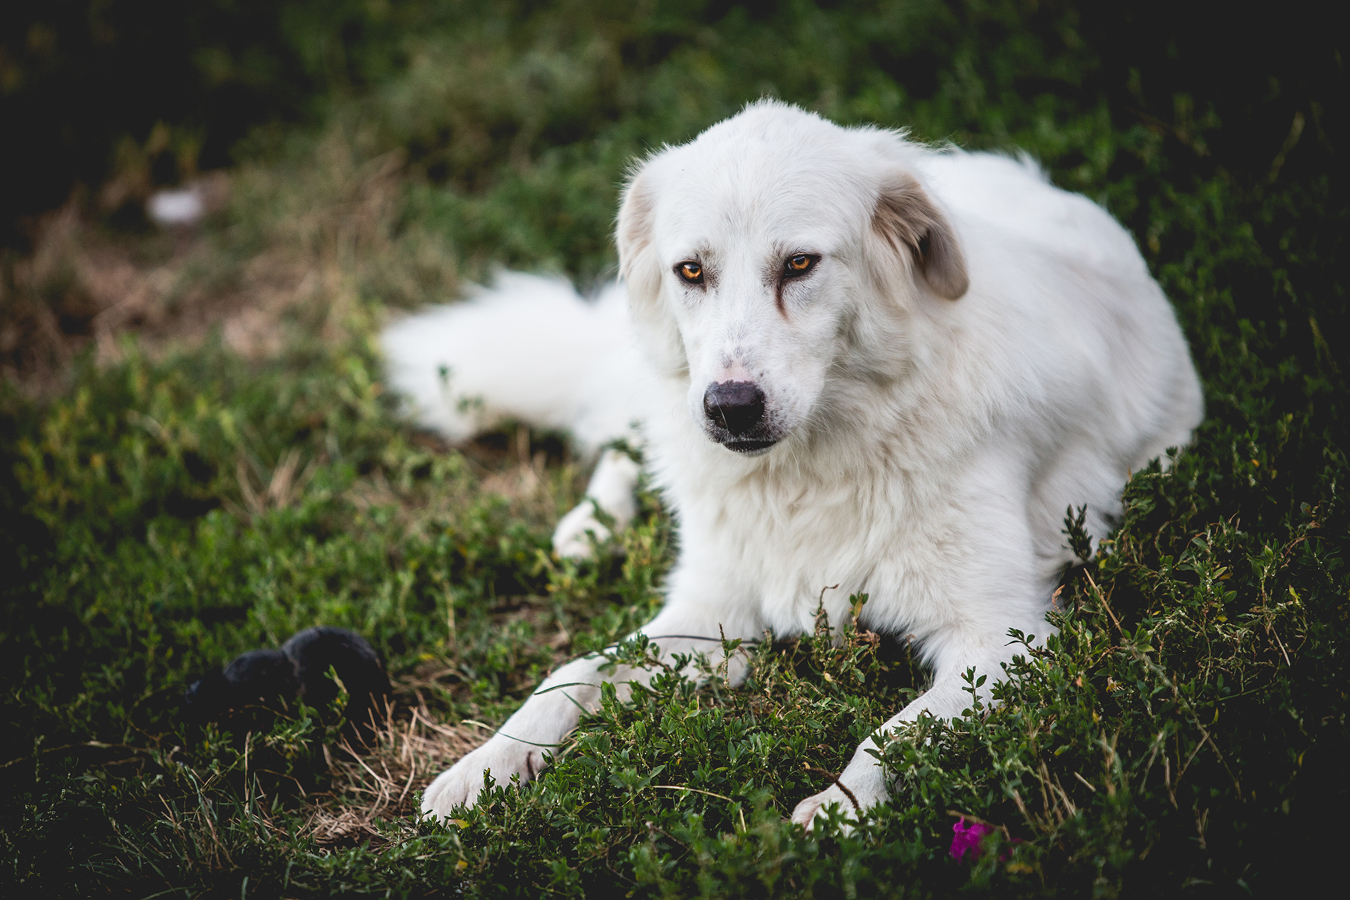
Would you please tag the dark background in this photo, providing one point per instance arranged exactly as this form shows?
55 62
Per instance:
80 80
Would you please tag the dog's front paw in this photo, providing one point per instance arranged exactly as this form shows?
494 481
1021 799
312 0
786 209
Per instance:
864 793
570 539
461 784
806 811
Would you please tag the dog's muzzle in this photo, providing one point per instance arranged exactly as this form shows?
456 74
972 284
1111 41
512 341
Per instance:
735 409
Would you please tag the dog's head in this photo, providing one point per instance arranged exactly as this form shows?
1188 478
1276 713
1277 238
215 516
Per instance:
774 250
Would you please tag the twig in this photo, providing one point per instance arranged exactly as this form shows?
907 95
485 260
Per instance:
679 787
857 807
1102 597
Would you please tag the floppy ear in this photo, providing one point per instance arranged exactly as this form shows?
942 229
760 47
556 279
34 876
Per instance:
640 267
907 219
633 232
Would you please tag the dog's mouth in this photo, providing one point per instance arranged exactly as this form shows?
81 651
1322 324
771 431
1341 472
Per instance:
749 448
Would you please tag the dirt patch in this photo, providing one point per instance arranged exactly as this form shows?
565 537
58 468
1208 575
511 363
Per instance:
282 253
84 286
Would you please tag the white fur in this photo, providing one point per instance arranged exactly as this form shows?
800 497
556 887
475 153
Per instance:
936 405
531 350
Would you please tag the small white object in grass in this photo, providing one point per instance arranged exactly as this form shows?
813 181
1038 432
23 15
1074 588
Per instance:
178 207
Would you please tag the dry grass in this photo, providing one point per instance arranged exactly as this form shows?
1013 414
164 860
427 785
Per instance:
385 780
83 284
284 252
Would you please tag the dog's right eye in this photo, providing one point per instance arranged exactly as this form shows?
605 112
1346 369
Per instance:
690 272
799 265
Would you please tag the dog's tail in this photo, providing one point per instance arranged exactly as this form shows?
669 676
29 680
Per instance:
531 349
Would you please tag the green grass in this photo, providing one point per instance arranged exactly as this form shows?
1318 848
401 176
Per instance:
175 501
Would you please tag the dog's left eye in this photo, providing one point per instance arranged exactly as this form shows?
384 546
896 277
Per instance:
799 265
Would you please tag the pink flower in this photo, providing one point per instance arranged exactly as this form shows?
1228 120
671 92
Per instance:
966 837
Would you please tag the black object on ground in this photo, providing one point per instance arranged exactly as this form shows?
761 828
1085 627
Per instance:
316 649
300 670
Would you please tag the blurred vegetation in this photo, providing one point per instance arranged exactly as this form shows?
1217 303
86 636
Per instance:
84 85
199 457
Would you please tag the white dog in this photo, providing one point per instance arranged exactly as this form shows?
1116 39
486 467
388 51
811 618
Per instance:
859 362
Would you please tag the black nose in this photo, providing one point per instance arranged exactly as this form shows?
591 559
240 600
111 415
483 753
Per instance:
738 406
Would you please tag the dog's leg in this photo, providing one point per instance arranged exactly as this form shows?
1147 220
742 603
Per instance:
972 601
520 748
862 784
611 489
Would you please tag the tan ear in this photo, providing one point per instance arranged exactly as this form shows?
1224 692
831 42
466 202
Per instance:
907 219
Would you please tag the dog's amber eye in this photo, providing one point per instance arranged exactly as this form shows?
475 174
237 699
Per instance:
799 264
691 272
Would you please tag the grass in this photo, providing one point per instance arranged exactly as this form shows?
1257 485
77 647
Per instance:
200 459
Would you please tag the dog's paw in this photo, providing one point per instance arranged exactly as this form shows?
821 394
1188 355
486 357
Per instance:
461 784
852 804
570 538
806 811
